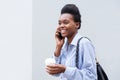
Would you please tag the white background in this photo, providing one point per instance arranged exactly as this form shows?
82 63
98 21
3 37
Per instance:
100 22
27 35
15 39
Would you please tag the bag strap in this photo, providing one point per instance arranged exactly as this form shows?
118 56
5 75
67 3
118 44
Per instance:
101 75
77 51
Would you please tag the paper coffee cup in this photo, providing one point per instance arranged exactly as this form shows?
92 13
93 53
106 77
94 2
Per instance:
49 61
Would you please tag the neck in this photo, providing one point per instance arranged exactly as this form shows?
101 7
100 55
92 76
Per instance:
71 38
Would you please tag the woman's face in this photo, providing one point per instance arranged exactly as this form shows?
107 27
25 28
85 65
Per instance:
67 25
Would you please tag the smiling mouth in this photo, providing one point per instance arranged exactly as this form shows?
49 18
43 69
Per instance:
63 31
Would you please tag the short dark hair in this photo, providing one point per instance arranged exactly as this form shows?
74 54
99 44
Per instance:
73 10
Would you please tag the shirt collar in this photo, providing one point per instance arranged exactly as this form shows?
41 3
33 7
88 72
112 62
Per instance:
74 41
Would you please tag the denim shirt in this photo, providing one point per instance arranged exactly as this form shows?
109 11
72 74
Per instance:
87 65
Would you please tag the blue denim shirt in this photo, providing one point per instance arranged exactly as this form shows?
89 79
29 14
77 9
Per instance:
87 63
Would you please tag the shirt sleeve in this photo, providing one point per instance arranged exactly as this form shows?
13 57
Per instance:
88 68
57 59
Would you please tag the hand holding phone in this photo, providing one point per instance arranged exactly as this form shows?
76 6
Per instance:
59 42
60 35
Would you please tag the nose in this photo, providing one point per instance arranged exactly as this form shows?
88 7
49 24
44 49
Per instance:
62 25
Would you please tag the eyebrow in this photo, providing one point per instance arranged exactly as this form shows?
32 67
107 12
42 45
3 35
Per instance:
63 20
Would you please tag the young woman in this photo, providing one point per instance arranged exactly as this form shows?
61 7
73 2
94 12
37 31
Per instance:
67 37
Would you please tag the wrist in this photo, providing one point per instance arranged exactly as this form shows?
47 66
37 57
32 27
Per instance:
57 54
64 68
57 51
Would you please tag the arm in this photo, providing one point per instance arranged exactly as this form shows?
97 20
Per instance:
57 68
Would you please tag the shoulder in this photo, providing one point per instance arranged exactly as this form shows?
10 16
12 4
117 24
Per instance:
86 42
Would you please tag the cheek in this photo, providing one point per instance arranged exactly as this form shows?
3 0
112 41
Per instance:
71 31
72 28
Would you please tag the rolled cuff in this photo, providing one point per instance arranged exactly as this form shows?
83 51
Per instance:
57 59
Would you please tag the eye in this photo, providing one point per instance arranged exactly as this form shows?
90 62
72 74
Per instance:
66 22
59 23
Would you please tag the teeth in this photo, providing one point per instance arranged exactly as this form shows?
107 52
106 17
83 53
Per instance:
62 31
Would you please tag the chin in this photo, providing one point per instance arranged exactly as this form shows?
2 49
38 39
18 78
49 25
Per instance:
64 36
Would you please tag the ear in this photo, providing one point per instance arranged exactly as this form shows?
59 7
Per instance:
77 25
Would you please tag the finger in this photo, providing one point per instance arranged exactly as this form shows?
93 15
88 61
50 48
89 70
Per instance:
57 33
52 70
52 66
58 28
51 73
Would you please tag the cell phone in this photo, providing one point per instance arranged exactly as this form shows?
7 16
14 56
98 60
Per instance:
60 36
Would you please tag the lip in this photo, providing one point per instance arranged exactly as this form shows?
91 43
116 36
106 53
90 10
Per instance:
63 31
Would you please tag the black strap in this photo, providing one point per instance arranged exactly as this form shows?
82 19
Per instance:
101 75
77 50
